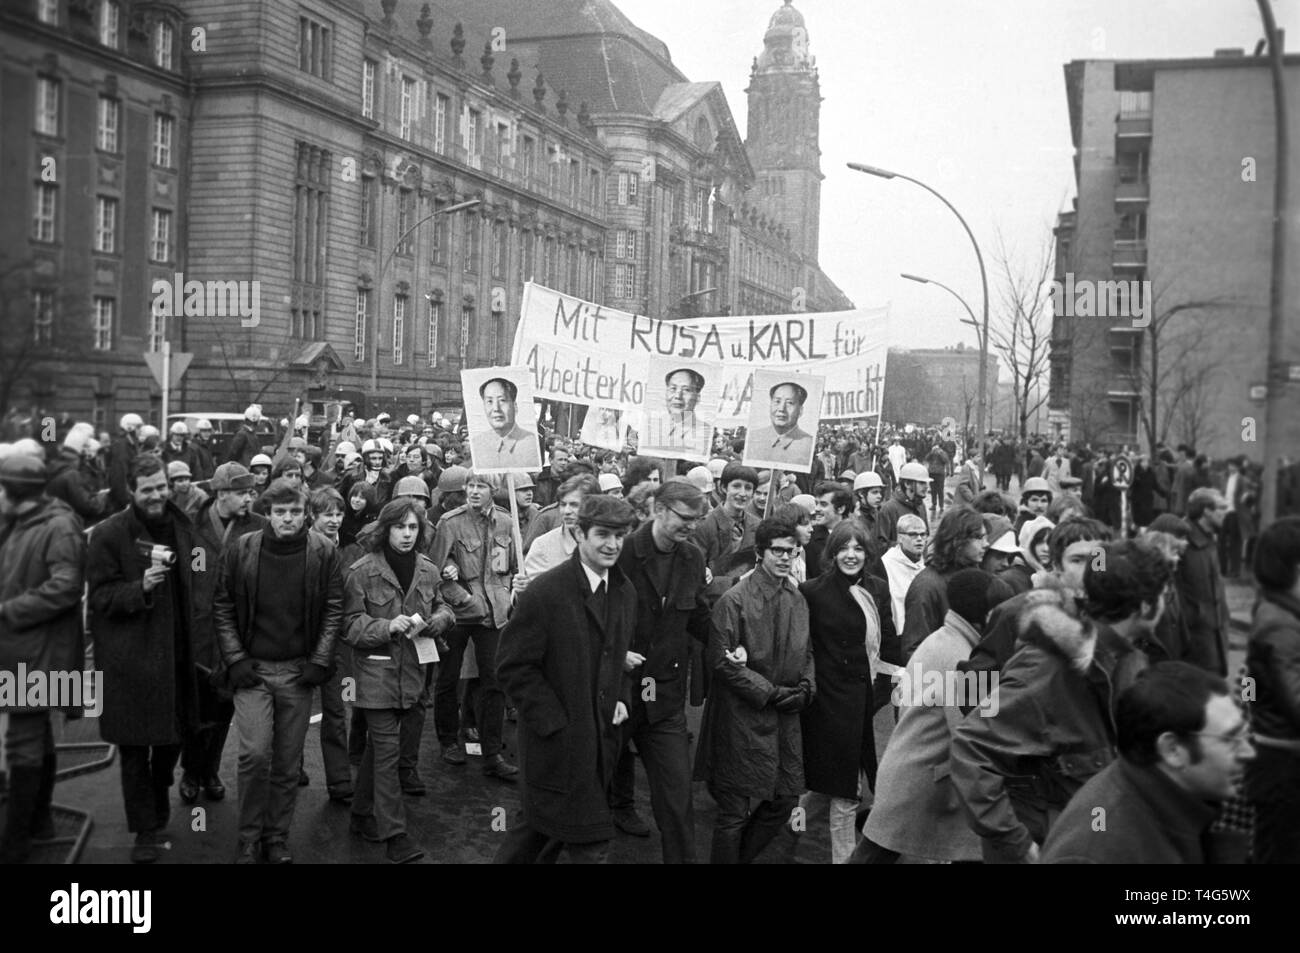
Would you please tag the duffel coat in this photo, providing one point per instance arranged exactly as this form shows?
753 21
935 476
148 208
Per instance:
747 747
386 667
150 689
562 667
42 559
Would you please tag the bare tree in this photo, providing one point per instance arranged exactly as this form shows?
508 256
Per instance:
1171 372
1021 334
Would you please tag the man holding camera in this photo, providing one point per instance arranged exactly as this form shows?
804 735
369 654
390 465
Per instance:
142 591
278 607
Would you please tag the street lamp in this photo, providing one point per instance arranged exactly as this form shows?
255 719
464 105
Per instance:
388 260
984 283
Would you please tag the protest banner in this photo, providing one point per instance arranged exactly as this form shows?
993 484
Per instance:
584 353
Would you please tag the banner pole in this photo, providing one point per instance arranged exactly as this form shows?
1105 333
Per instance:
514 521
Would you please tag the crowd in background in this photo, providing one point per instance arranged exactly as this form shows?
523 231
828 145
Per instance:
792 606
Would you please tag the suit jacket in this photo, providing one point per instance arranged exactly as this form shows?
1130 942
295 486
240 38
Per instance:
517 448
562 667
793 446
690 434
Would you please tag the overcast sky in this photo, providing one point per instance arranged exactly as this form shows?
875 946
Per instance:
966 95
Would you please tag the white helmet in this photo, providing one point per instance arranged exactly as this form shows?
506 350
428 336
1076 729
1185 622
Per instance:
78 437
253 412
202 424
260 460
301 423
413 419
914 471
149 430
386 445
867 480
344 448
180 428
132 422
371 446
715 467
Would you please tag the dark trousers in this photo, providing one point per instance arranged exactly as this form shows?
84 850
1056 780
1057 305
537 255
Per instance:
1273 787
523 845
1230 545
411 724
664 747
334 734
146 777
201 753
745 825
491 709
379 792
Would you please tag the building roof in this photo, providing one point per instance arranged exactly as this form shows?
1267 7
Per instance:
679 97
588 49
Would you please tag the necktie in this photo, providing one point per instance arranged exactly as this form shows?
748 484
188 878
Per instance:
598 602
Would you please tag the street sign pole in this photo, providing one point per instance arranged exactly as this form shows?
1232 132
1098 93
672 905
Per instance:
166 382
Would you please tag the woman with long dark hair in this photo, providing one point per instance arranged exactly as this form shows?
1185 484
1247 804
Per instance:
362 507
848 618
391 599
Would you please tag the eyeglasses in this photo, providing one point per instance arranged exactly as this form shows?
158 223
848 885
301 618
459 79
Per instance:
782 552
688 520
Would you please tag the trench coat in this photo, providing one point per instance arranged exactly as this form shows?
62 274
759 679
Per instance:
150 687
562 668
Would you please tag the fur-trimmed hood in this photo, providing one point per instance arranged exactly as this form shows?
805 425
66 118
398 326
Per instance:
1049 619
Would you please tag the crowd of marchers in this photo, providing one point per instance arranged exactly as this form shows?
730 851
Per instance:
1047 662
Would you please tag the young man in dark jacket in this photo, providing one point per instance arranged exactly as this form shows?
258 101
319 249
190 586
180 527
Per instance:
667 571
562 662
1200 583
42 552
278 608
1053 725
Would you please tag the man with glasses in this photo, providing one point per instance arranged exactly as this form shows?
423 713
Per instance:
667 572
1200 582
751 746
1183 747
1053 726
676 427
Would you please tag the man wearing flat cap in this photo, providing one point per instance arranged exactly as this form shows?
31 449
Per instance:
677 427
784 441
561 662
505 443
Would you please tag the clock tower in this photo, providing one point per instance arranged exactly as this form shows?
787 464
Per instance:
784 105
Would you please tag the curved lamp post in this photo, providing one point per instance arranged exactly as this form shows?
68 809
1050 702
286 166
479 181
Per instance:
984 283
379 282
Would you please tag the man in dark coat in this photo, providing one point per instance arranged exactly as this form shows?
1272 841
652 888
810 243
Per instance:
278 607
42 552
219 523
140 604
751 749
1054 727
1183 743
562 663
1200 583
667 571
245 444
70 477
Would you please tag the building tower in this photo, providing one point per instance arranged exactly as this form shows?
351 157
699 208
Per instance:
784 105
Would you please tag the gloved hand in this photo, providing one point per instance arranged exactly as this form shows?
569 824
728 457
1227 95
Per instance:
313 674
242 674
782 696
796 701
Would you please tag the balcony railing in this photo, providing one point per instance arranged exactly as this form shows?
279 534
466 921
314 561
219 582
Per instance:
1129 251
1132 192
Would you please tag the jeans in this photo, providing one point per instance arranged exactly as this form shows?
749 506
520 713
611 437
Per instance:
523 845
491 709
146 777
379 792
745 825
271 725
665 751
